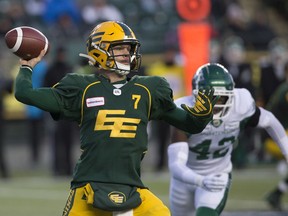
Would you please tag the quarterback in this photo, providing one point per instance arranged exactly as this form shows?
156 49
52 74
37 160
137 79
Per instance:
112 112
200 164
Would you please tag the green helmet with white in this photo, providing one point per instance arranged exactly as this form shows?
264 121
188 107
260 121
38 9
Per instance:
217 76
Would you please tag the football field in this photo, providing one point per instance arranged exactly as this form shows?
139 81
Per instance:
36 193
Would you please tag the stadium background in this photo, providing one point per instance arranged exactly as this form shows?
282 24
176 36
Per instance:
32 190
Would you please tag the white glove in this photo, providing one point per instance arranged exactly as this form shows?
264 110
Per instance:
215 182
177 159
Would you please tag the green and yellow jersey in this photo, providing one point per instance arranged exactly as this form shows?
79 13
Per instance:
113 121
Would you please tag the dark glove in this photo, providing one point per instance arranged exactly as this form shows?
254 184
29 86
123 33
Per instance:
204 103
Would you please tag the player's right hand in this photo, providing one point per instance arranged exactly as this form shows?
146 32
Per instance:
215 182
32 62
204 103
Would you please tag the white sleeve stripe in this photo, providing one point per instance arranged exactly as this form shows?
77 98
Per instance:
24 66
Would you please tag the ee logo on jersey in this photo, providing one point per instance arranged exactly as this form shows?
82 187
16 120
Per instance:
115 121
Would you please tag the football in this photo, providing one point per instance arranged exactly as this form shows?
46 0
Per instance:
26 42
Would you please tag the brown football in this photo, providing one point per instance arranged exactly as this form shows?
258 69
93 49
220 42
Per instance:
26 42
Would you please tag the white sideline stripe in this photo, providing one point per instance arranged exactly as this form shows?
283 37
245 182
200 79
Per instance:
33 194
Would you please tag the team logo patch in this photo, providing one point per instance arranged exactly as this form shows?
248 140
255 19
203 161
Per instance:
95 101
117 197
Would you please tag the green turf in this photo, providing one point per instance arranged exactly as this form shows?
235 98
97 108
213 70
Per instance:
40 194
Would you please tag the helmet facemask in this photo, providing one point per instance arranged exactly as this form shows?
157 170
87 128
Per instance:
218 77
120 68
225 102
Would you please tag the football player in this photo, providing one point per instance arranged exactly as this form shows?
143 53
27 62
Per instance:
278 104
112 112
200 164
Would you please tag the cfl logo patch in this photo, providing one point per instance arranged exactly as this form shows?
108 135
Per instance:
117 197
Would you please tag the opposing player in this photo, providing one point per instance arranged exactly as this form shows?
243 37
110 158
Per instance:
200 164
112 112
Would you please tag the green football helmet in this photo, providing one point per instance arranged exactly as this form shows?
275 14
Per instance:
217 76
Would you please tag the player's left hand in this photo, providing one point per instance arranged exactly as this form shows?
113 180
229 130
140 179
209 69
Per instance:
204 103
215 182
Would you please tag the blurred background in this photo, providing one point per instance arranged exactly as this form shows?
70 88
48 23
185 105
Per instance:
177 36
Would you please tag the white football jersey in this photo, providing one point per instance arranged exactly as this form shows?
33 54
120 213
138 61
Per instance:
210 150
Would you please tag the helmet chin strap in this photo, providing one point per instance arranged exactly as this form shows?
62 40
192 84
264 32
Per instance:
123 69
122 66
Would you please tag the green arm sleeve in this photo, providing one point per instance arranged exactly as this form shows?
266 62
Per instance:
42 98
164 108
184 121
